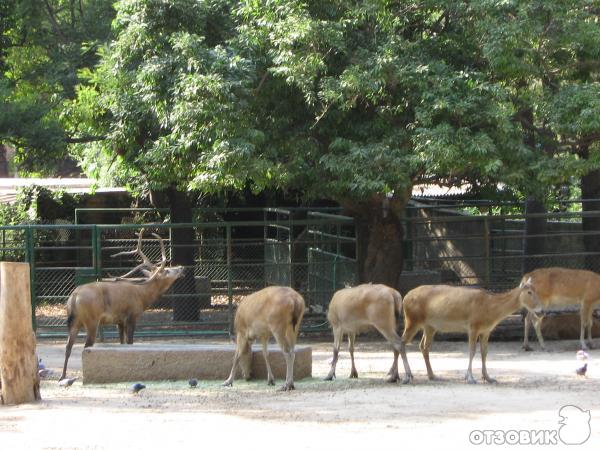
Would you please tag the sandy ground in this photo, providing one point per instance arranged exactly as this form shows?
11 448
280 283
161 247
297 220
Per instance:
347 413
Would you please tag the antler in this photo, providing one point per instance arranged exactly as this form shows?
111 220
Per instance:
163 262
138 251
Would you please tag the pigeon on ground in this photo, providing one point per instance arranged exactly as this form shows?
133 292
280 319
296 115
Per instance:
193 382
45 373
582 370
66 382
582 355
137 387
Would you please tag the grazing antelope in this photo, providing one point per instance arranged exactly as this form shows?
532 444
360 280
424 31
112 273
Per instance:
359 308
559 287
453 308
274 310
117 300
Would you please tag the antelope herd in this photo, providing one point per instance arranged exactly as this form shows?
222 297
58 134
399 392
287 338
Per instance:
278 311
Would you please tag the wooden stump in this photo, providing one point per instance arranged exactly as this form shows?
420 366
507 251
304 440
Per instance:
19 380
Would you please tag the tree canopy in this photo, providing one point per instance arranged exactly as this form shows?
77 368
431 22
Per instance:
345 100
43 47
354 101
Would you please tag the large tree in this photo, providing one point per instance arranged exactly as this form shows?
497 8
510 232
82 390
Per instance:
378 96
546 54
351 101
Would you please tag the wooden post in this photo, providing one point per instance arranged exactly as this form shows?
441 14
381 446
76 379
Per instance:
19 380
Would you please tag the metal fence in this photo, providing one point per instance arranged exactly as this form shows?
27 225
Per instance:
447 245
230 259
312 251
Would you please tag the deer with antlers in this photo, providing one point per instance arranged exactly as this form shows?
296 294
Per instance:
118 300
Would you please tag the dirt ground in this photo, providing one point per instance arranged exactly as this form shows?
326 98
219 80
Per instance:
347 413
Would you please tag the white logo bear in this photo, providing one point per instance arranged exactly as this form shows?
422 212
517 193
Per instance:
574 425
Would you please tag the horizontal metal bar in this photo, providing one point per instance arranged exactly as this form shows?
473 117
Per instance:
335 237
335 217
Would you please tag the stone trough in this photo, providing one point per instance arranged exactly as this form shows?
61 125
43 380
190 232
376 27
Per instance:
111 363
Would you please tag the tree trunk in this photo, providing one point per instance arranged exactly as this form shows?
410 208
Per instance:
185 306
19 380
380 247
533 243
590 190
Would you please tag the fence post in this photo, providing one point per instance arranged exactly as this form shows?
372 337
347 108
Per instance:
30 258
291 249
97 264
19 380
486 240
97 252
229 281
335 263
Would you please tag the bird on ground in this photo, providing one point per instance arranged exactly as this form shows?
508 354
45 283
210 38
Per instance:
193 382
582 355
137 387
66 382
45 373
582 370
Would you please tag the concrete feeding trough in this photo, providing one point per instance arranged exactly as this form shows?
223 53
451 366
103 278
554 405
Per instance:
111 363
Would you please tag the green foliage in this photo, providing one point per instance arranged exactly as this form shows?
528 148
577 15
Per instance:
36 204
350 101
13 214
44 45
545 54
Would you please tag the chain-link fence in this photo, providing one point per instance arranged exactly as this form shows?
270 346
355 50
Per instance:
443 245
226 260
312 251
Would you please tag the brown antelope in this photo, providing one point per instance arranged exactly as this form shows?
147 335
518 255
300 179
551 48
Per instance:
274 310
453 309
117 300
359 308
560 287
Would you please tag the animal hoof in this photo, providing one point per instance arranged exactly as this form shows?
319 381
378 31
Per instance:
392 379
527 348
270 383
471 380
491 380
407 380
227 383
329 378
287 387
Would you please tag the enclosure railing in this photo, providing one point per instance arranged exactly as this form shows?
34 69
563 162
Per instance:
446 246
230 260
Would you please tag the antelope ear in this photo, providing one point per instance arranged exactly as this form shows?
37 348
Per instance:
146 273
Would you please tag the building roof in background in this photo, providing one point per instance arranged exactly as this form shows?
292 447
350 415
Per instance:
435 191
10 186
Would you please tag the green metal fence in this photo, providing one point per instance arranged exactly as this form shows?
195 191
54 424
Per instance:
446 245
230 259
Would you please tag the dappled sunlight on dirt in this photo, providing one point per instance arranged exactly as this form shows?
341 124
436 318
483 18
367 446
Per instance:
531 387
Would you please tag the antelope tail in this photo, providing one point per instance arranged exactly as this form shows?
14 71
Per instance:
71 311
397 308
297 313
